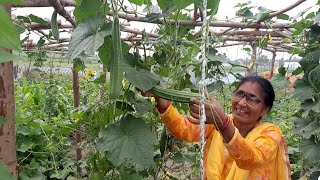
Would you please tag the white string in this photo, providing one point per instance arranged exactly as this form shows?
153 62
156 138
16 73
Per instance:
203 86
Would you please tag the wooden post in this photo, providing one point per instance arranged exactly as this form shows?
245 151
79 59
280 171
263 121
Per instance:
272 63
7 111
76 104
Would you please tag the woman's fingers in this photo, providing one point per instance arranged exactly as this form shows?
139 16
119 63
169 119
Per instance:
193 120
195 101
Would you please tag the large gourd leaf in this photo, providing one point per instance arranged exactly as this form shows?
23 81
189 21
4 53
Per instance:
88 36
310 61
127 176
314 78
141 2
214 6
105 50
307 126
303 90
139 77
311 104
5 56
128 141
9 37
163 4
310 151
88 8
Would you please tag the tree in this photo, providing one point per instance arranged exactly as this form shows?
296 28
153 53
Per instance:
7 112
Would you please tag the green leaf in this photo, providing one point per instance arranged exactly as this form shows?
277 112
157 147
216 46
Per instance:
303 90
54 25
151 17
127 176
5 56
137 2
283 17
261 16
88 36
310 151
247 13
163 4
307 126
142 106
217 85
124 106
297 71
20 27
41 42
314 78
31 175
317 18
88 8
311 104
128 141
213 5
4 173
310 61
105 50
8 32
12 2
24 130
38 19
140 78
282 71
279 81
178 157
247 49
24 19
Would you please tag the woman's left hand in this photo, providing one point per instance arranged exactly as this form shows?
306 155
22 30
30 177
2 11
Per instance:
214 112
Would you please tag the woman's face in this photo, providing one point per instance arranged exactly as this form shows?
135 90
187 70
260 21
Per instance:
248 105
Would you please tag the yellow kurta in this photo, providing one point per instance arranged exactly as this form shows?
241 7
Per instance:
262 154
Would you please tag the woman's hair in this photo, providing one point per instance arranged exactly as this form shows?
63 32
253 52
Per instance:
265 85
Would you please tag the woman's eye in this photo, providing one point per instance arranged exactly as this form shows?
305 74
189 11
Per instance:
253 98
240 94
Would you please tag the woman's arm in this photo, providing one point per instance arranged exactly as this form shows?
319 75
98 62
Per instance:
180 127
249 155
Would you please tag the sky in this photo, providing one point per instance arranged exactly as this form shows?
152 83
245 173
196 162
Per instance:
226 10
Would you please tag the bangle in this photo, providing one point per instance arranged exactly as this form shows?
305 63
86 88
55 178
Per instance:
161 109
225 125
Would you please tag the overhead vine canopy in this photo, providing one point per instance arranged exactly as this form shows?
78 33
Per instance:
259 27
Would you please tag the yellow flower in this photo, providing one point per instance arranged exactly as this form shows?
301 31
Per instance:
153 100
250 65
89 74
123 83
270 38
75 120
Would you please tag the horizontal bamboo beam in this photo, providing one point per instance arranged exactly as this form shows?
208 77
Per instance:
252 33
44 3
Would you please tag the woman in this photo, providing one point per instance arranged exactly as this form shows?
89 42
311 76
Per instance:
240 145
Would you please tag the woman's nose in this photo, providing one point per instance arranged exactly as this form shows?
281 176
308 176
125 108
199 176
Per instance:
243 101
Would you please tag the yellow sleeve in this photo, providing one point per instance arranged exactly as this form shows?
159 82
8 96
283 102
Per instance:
248 155
181 128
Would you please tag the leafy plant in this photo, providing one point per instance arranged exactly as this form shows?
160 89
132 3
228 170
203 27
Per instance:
307 91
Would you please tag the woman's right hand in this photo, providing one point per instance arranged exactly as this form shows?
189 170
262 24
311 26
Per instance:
161 104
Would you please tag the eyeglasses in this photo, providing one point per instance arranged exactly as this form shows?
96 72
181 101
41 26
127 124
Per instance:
250 98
